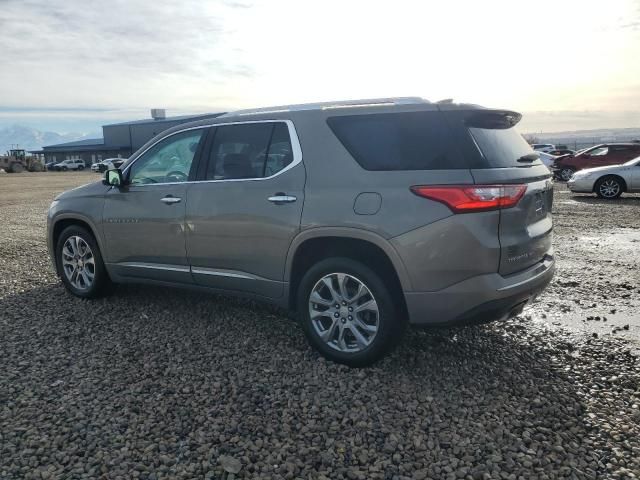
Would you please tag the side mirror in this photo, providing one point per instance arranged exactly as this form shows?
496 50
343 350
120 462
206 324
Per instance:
113 178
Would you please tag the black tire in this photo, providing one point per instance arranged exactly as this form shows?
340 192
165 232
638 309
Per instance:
80 167
64 169
609 188
101 283
390 321
566 173
16 168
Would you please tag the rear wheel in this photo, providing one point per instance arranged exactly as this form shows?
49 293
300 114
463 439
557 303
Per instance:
80 167
566 173
64 169
80 263
347 312
609 187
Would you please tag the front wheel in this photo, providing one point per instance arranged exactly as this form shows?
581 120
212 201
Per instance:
566 173
609 188
16 168
80 167
80 263
347 312
64 169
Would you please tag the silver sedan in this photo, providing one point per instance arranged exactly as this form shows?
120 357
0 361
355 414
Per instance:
608 182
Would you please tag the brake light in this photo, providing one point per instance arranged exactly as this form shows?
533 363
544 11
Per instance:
472 198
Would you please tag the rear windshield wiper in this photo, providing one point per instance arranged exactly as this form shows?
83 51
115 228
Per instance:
529 157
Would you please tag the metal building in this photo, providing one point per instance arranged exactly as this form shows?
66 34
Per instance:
119 140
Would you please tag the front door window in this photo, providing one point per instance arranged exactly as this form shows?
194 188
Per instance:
168 161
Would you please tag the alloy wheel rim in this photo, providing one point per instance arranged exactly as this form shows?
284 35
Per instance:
344 313
609 188
566 174
78 263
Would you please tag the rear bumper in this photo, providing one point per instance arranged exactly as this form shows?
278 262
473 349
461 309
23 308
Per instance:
480 299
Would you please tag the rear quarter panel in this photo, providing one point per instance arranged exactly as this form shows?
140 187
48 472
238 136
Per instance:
436 248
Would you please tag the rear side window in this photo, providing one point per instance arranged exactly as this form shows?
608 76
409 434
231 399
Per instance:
398 141
251 150
498 140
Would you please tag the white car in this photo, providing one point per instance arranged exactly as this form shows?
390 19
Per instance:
609 181
107 164
543 147
546 158
72 164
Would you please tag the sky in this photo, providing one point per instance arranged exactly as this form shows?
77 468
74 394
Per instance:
74 65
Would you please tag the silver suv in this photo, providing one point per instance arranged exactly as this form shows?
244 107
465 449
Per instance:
359 216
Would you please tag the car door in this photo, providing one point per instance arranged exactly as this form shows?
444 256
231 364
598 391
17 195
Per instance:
621 153
243 215
597 157
635 176
143 221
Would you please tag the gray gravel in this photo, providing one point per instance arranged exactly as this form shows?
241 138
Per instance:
158 383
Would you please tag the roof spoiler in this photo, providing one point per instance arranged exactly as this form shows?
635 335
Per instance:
493 119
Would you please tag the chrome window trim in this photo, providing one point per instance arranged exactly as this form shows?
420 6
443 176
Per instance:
295 147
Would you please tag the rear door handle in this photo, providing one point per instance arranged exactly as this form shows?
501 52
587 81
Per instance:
170 200
282 198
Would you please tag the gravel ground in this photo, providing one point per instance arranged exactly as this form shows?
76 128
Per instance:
158 383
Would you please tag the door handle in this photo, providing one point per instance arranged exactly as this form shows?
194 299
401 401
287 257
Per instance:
170 200
282 198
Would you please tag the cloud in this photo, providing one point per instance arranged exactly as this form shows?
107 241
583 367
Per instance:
631 25
118 45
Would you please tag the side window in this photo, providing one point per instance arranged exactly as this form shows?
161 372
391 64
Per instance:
599 152
280 153
397 141
168 161
620 149
251 150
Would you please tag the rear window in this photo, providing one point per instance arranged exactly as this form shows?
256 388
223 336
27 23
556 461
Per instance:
398 141
498 140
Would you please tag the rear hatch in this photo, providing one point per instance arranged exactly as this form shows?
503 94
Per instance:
505 158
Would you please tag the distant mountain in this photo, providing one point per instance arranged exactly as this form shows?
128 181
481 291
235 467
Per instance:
32 139
587 138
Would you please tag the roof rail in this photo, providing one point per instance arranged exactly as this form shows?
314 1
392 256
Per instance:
372 102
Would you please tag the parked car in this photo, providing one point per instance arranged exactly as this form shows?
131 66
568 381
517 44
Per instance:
546 158
50 166
107 164
71 164
543 147
598 156
608 182
358 216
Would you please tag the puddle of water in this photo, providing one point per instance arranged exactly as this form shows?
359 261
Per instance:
625 239
624 322
573 203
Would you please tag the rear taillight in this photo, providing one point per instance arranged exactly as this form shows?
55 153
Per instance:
472 198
